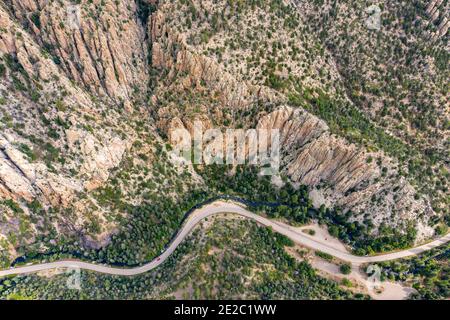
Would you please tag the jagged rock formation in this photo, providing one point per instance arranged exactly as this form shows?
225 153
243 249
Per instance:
343 173
19 179
170 52
60 133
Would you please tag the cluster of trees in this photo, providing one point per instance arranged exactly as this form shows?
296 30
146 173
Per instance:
429 273
345 268
144 9
284 202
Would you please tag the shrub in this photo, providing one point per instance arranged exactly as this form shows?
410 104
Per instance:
345 269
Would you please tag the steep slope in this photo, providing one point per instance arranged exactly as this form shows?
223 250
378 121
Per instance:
104 53
59 139
346 175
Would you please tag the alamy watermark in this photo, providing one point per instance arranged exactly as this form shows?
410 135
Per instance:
258 147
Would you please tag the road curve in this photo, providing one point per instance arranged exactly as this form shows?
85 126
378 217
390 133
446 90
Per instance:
220 207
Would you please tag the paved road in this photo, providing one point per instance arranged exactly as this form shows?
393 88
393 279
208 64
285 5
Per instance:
220 207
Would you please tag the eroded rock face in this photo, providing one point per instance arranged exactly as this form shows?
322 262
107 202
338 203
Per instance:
13 183
344 174
170 52
98 153
57 81
107 54
29 56
22 180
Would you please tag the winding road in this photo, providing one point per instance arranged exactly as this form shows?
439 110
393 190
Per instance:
221 207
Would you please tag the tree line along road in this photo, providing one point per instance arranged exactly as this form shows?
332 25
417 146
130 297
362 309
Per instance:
221 207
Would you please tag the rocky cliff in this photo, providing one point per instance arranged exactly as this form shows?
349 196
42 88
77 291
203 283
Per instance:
60 132
85 109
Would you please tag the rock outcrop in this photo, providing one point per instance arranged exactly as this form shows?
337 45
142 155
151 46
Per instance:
94 154
197 71
433 10
63 128
99 157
